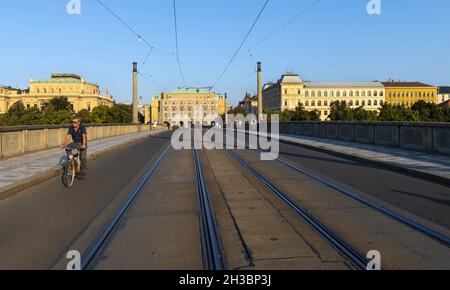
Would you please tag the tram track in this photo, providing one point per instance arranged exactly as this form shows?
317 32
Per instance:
100 242
212 249
357 259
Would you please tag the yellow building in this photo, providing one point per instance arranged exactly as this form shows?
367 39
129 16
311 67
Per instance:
291 91
7 97
81 94
192 105
408 93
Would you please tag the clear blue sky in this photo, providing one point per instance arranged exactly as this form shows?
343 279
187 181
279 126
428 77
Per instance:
335 41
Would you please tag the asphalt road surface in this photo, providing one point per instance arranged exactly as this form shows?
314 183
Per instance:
423 198
38 224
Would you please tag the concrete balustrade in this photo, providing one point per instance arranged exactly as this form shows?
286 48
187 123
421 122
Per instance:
16 141
425 137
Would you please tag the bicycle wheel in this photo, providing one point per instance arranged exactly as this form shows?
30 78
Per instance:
69 175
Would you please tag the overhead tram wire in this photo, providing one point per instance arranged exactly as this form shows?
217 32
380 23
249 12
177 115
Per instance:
149 78
176 43
284 25
124 23
147 56
241 45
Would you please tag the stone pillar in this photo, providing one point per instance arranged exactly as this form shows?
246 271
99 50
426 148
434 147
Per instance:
260 99
135 94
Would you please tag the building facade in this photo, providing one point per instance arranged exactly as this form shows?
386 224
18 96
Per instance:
8 95
443 95
249 104
81 94
408 93
188 105
291 92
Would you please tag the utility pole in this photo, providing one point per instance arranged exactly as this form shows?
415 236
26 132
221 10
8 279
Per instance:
135 94
260 91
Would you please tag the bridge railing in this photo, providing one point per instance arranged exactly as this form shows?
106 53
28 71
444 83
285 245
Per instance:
425 137
19 140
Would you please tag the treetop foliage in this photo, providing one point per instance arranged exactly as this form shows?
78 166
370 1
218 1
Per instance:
59 111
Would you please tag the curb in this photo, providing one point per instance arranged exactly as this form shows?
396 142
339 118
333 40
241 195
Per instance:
385 165
58 170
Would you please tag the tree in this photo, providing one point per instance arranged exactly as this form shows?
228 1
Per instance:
101 115
61 104
300 114
52 116
32 116
340 112
121 113
85 116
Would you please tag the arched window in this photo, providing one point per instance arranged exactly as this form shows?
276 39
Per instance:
363 103
325 94
363 94
350 103
369 93
381 103
307 104
357 93
381 93
332 93
351 93
375 93
319 103
338 94
375 103
307 94
369 103
357 103
313 94
313 103
325 103
344 94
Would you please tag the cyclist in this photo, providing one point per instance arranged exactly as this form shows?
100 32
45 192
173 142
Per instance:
78 134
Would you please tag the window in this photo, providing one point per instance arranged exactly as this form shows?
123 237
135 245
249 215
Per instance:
375 93
357 93
307 94
344 94
313 103
363 103
313 94
357 103
319 103
375 103
332 93
381 93
351 93
350 103
369 93
307 104
325 103
319 94
299 92
369 103
363 94
338 94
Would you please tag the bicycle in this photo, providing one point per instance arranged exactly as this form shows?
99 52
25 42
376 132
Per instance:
72 167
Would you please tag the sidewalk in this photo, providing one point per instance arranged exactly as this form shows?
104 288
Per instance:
436 167
19 173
